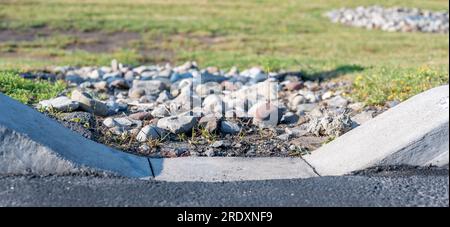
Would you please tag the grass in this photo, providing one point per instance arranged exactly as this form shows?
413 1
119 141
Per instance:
28 91
289 34
387 84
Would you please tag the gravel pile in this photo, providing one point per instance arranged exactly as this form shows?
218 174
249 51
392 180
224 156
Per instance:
395 19
165 111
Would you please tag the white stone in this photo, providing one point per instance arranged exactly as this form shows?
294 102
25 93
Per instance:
62 104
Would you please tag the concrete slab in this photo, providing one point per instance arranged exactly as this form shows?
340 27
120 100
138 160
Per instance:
33 143
415 132
218 169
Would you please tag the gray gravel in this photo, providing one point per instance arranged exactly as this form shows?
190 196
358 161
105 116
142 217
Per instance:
395 19
398 188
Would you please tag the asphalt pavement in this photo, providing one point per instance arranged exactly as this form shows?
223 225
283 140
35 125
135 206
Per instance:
376 187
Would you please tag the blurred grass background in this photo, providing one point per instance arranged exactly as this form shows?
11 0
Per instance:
286 34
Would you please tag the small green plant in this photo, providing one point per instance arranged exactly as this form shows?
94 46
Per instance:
155 143
209 136
182 137
28 91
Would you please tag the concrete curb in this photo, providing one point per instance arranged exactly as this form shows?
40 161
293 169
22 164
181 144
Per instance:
30 142
415 132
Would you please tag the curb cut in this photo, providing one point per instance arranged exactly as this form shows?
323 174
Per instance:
415 132
30 142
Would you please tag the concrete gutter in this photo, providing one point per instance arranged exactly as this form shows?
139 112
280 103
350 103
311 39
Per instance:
229 169
416 132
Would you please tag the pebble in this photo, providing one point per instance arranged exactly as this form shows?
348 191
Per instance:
61 103
228 127
140 116
160 111
177 124
150 132
265 115
87 103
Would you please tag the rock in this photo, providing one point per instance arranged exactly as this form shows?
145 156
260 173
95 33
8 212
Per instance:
231 86
136 93
297 131
177 124
255 74
209 88
327 95
88 104
228 127
74 79
150 132
264 91
119 83
310 96
289 118
312 85
148 99
220 143
96 74
129 76
115 107
127 122
393 103
210 152
293 86
296 100
233 71
213 104
140 116
284 137
186 66
265 115
302 109
209 122
62 104
212 70
164 96
201 78
109 122
101 86
330 124
122 123
109 77
114 65
184 102
160 111
150 87
337 101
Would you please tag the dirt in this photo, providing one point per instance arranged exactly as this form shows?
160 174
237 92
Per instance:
91 41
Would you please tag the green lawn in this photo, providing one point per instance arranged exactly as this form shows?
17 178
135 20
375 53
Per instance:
290 34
